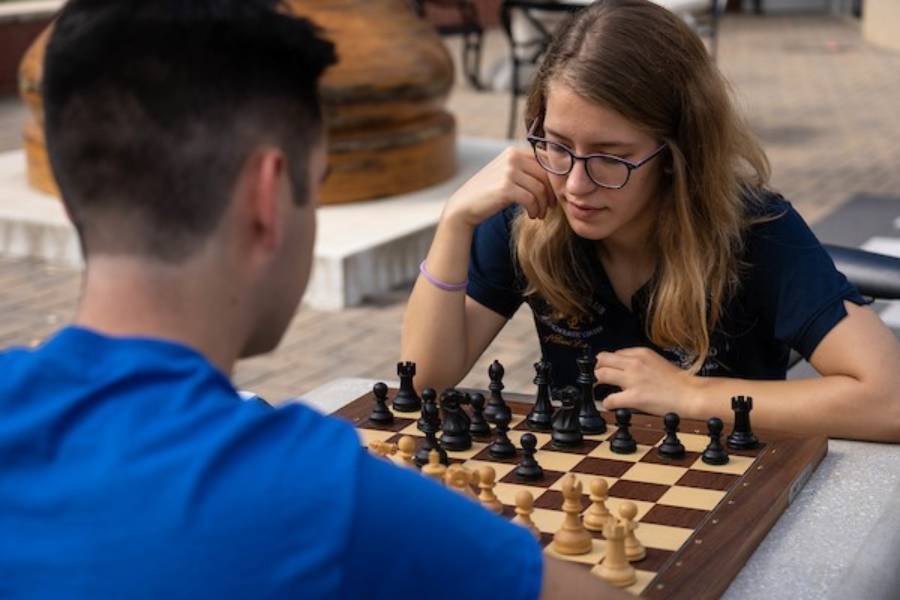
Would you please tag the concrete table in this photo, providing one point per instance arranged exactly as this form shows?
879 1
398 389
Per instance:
840 538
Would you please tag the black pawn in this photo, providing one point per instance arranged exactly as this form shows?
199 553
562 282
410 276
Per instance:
478 427
406 399
742 437
496 402
671 446
381 414
590 418
715 454
501 447
529 469
455 424
429 424
566 427
541 416
622 442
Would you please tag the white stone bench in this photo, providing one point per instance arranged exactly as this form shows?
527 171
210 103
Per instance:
362 249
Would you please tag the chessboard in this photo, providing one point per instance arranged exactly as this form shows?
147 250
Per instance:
699 522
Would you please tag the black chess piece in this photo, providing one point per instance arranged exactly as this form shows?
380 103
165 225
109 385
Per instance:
406 399
429 424
381 414
496 402
566 427
478 427
715 453
590 418
501 447
671 446
528 468
742 437
455 422
541 416
622 441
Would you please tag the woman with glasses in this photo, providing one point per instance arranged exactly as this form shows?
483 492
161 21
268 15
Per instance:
639 230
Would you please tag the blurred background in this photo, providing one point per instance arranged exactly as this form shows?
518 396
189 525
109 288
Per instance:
818 80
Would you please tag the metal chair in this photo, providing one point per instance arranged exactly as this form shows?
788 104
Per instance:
876 276
469 27
534 12
528 51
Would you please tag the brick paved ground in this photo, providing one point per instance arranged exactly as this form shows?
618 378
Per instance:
821 99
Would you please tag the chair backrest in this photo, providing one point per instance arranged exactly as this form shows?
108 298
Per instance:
875 275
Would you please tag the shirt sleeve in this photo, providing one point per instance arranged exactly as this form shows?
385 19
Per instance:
413 538
802 291
492 275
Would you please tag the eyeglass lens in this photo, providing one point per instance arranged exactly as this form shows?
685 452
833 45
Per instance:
603 171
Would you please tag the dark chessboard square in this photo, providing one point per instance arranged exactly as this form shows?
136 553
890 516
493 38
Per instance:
553 500
708 480
523 426
548 479
485 455
638 490
656 458
399 424
602 466
585 448
655 559
675 516
647 437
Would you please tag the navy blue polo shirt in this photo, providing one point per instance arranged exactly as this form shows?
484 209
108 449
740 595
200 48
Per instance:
131 468
790 296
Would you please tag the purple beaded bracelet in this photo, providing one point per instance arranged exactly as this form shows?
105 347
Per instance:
447 287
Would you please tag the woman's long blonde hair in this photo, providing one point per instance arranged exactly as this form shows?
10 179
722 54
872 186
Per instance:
642 61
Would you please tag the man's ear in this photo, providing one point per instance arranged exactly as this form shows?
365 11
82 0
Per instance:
262 189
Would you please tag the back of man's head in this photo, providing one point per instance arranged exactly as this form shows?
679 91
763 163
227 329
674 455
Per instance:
152 107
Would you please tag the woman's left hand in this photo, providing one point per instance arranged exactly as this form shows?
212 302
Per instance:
649 382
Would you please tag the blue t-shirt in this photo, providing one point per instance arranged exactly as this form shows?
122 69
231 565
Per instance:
790 296
131 468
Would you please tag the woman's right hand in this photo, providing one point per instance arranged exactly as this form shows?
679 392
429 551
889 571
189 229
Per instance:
513 177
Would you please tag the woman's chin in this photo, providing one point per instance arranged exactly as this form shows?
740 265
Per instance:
594 228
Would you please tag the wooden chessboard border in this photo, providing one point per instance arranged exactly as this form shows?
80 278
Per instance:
722 543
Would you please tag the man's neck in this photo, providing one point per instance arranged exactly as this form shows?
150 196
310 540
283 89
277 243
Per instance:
124 296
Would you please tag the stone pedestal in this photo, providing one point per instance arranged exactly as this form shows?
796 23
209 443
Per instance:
387 127
362 249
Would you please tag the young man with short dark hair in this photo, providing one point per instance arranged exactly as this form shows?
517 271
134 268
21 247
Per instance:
187 140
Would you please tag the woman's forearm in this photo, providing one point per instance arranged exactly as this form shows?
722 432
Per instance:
835 405
434 326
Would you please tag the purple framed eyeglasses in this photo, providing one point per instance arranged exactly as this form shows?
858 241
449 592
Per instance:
605 170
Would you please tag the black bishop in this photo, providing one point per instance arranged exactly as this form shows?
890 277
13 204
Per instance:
590 418
541 416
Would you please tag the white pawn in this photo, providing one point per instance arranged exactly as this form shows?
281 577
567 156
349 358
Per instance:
634 550
524 508
487 497
407 447
434 469
597 515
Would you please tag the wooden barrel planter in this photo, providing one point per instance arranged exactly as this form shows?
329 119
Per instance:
384 101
